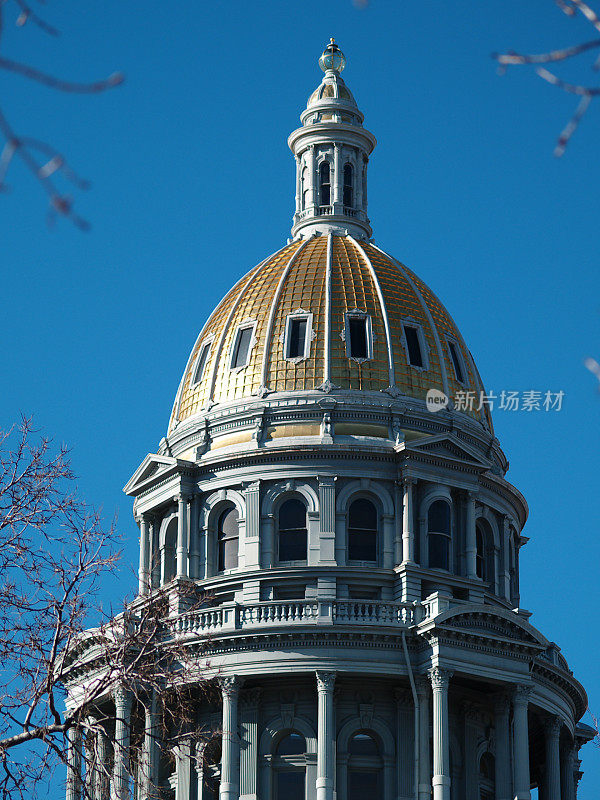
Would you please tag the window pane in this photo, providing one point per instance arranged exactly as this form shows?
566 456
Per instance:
292 514
358 337
242 348
324 183
362 785
348 185
362 514
439 551
200 364
292 545
289 785
439 517
362 745
228 536
293 744
457 362
415 357
297 337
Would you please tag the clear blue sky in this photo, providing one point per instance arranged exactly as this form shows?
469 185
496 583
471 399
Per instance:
193 184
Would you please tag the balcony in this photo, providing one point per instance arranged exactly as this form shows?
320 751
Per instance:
269 615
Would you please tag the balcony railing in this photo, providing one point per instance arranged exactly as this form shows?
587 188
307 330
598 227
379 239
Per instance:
291 613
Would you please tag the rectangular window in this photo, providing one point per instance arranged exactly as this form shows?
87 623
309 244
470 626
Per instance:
297 343
241 347
413 345
457 361
201 364
358 337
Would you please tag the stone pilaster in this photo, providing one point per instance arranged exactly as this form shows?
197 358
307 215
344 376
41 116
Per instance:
552 737
440 681
408 532
251 544
121 777
144 567
325 735
230 752
405 744
249 703
424 695
503 771
182 537
74 783
521 743
470 536
327 521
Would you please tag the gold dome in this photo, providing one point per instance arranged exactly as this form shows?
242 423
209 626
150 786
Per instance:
331 278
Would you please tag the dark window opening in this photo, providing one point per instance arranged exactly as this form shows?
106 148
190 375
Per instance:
348 181
292 531
438 527
456 360
413 343
200 364
297 337
294 744
325 183
480 557
241 350
358 344
362 531
304 187
364 768
289 785
228 537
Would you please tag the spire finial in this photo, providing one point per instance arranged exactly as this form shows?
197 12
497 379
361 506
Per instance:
332 58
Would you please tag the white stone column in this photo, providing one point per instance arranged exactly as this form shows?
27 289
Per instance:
337 178
251 543
569 773
298 184
423 693
440 680
408 532
470 536
120 789
521 743
144 568
325 735
552 737
502 776
312 194
249 753
182 537
230 752
74 783
150 751
269 548
194 560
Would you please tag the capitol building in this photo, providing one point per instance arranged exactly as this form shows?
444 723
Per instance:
357 549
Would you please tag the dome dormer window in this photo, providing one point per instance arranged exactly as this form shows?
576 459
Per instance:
358 334
457 362
297 338
414 345
201 362
243 343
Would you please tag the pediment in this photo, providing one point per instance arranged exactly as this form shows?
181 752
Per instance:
493 624
449 447
151 468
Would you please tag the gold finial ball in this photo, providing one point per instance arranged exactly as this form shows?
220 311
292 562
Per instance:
332 58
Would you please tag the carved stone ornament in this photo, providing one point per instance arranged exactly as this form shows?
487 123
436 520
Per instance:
325 681
440 677
552 727
522 694
327 386
365 713
230 685
288 712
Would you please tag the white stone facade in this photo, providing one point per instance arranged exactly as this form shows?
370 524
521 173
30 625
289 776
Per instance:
361 558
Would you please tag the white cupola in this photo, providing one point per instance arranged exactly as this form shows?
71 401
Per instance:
332 152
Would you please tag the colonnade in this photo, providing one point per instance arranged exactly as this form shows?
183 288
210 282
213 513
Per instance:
433 776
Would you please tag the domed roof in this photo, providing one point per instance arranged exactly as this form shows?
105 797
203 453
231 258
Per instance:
327 281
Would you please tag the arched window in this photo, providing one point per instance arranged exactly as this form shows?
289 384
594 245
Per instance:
289 767
364 768
481 553
487 777
324 183
169 563
348 183
514 564
228 538
304 188
362 531
211 769
438 534
292 530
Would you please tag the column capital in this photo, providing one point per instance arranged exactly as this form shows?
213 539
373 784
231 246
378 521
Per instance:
404 698
552 726
521 694
251 698
501 702
122 698
440 677
325 681
471 494
406 481
230 685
